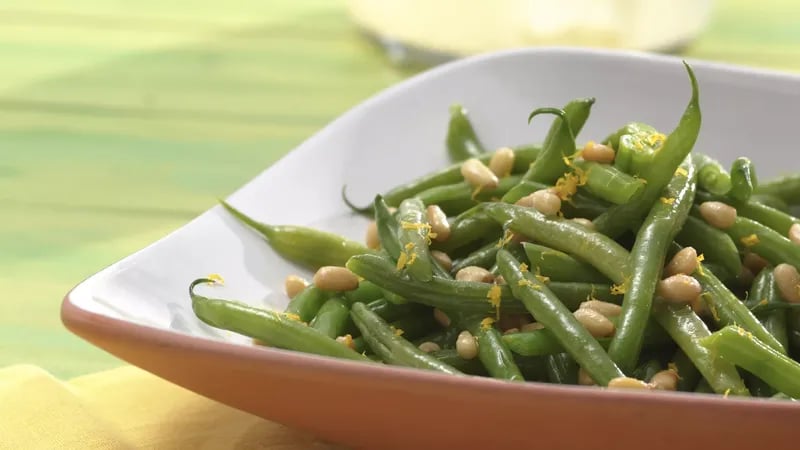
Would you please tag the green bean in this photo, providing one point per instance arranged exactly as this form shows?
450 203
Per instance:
714 244
388 227
647 369
688 375
302 245
787 188
743 180
493 352
764 241
365 292
771 201
703 387
550 312
462 142
600 251
738 347
659 172
392 348
765 291
445 338
459 197
450 357
468 227
559 266
759 212
685 328
646 263
390 312
711 176
562 369
483 257
579 205
332 318
411 326
269 327
632 141
307 303
608 182
727 309
413 235
533 368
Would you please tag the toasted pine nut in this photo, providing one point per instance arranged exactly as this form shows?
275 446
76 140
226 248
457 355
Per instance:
746 277
347 340
546 202
595 323
665 380
718 214
585 222
429 347
502 162
754 262
601 153
441 318
499 280
372 239
605 308
439 224
334 278
699 306
466 345
533 326
685 262
474 273
511 331
627 383
794 233
443 259
788 281
294 285
477 174
584 379
679 288
526 201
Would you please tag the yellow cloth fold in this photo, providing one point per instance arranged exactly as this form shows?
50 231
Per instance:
126 408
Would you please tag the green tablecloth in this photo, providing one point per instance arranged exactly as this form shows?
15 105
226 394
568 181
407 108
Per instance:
163 107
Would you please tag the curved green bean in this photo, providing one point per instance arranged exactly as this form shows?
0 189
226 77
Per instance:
711 176
462 142
743 180
559 266
332 318
608 182
787 188
715 245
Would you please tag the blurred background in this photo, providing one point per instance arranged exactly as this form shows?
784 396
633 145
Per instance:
121 121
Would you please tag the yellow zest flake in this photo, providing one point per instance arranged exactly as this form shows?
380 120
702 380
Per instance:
402 260
495 297
508 235
667 201
397 331
619 289
567 185
412 259
409 246
529 283
539 276
216 278
763 302
292 316
681 171
672 367
487 323
424 230
751 240
347 340
523 267
475 192
727 391
655 138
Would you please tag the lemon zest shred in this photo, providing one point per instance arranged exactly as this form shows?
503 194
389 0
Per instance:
523 267
751 240
402 260
667 201
292 316
727 392
674 369
681 171
508 235
216 278
487 323
619 289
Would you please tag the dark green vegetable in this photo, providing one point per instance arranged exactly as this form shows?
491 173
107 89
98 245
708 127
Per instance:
390 312
647 369
738 347
559 266
468 227
332 318
483 257
302 245
413 238
764 241
743 180
450 357
771 201
714 244
787 188
659 172
392 348
493 352
711 176
445 338
269 327
411 326
765 292
307 303
550 312
388 227
459 197
561 369
688 375
646 263
365 292
608 182
686 329
462 142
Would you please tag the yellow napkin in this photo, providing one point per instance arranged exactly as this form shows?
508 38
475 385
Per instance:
126 408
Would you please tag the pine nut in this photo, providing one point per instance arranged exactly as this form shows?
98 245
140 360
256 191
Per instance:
718 214
294 285
533 326
499 280
601 153
546 202
679 288
585 222
429 347
794 233
474 273
438 222
584 379
754 262
443 259
788 281
665 380
337 279
605 308
502 162
478 175
372 239
347 340
595 323
627 383
685 262
466 345
441 318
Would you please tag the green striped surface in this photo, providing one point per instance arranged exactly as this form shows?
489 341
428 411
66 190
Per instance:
165 106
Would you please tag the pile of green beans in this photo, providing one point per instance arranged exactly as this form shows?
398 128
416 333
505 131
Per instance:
633 262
